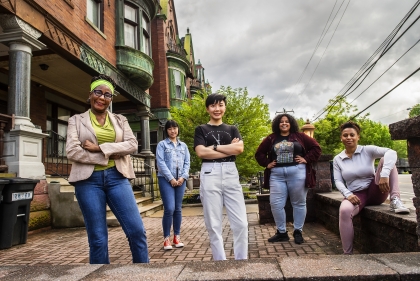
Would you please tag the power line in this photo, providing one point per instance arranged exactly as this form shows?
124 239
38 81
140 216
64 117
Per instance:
324 49
362 71
321 37
386 93
385 71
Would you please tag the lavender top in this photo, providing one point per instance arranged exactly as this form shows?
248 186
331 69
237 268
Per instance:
356 173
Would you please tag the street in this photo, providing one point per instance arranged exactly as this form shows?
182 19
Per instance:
406 190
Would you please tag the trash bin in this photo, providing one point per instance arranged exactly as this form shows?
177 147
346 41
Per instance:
14 211
3 182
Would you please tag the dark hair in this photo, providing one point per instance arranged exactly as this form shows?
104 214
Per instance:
104 77
215 98
294 127
351 125
171 124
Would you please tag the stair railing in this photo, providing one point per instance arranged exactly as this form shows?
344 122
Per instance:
55 161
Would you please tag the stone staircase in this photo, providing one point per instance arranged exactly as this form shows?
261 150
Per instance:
63 198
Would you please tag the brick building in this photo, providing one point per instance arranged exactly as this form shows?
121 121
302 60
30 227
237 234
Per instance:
176 76
49 52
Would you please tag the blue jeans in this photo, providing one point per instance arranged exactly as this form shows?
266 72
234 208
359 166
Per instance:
172 206
284 182
112 188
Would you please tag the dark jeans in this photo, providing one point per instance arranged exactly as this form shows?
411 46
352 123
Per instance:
112 188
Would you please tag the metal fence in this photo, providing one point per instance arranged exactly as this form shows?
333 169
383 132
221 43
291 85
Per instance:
145 180
55 161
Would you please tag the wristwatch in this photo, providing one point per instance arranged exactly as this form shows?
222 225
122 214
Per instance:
215 147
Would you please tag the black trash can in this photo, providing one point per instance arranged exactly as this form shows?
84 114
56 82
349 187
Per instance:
3 182
14 211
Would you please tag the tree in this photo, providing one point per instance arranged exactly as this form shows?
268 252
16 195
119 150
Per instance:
249 114
415 111
327 131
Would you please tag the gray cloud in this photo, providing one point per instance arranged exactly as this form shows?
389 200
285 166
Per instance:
265 45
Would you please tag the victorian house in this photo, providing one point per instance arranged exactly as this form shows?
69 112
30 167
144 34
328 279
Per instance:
48 53
176 75
49 50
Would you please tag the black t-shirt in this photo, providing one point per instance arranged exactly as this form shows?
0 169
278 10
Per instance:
209 135
285 152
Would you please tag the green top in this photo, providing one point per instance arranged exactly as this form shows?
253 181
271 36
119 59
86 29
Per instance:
105 133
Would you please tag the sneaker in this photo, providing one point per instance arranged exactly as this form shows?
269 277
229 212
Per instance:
167 244
177 241
398 207
278 237
297 234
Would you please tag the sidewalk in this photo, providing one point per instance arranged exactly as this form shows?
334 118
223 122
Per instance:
70 246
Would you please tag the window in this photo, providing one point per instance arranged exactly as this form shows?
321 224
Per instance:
178 86
57 123
145 47
131 24
95 12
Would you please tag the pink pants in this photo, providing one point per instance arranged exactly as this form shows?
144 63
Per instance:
370 196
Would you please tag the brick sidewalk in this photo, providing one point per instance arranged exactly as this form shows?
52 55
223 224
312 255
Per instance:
69 246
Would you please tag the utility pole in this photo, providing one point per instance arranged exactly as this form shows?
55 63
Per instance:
284 111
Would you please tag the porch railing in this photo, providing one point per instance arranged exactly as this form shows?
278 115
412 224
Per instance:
55 161
145 180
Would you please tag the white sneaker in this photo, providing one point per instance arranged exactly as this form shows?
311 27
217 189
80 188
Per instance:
397 206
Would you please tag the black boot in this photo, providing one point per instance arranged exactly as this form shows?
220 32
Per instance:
297 234
279 237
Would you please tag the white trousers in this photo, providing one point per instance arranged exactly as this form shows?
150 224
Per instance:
219 185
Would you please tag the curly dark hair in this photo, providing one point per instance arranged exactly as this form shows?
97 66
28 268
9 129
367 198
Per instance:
294 127
351 125
104 77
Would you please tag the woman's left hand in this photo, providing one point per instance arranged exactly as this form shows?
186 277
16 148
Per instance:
299 159
180 181
384 185
90 146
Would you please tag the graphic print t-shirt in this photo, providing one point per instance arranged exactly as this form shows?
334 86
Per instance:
209 135
285 151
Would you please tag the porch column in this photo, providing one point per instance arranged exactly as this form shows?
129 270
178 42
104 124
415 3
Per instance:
145 114
23 145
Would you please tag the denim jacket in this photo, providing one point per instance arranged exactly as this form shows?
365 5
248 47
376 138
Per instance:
169 159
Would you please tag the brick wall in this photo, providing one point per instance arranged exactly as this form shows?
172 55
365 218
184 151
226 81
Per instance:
75 24
159 91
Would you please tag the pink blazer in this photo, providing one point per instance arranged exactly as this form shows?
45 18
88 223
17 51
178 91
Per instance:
80 129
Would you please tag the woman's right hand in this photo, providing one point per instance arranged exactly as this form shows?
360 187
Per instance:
173 182
272 164
354 199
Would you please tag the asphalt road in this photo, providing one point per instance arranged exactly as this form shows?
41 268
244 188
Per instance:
406 189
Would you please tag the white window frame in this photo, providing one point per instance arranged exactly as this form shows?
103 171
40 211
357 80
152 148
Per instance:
133 23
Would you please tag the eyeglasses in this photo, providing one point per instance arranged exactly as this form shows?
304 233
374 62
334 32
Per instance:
99 93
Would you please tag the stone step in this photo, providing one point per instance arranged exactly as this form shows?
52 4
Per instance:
144 211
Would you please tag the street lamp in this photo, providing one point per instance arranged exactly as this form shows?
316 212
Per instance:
308 129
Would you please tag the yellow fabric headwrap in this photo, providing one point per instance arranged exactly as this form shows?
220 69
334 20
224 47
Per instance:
101 82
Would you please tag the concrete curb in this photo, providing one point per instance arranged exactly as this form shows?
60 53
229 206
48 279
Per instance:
398 266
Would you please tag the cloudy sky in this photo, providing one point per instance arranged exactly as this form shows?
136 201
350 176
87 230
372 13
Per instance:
265 45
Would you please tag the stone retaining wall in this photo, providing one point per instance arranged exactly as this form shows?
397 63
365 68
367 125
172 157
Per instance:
376 228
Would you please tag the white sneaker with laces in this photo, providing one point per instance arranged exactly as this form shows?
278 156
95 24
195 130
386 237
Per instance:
398 207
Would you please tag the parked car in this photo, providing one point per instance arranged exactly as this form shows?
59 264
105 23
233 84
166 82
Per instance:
403 165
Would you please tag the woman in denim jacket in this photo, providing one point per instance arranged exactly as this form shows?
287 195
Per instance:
173 162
